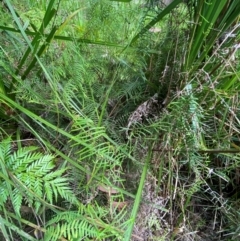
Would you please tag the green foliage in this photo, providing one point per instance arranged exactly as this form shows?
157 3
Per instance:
28 177
70 225
76 75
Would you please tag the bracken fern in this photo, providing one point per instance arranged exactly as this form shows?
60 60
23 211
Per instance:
32 178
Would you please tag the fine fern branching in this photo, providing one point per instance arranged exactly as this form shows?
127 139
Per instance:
71 225
32 178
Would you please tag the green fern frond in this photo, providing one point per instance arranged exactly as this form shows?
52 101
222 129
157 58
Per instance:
33 177
42 166
22 157
17 201
71 225
59 187
132 89
4 194
5 150
53 233
54 175
48 192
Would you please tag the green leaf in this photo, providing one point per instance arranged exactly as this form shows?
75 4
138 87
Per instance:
137 201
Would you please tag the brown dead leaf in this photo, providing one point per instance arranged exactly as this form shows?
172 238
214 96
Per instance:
108 190
119 205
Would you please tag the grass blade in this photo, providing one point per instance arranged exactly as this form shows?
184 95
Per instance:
158 18
128 233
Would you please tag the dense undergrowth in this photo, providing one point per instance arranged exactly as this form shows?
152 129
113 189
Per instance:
119 120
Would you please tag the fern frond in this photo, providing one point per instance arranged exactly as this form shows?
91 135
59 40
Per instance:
54 175
53 233
3 193
32 174
61 187
17 201
5 150
20 159
38 187
43 165
71 225
132 89
48 192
